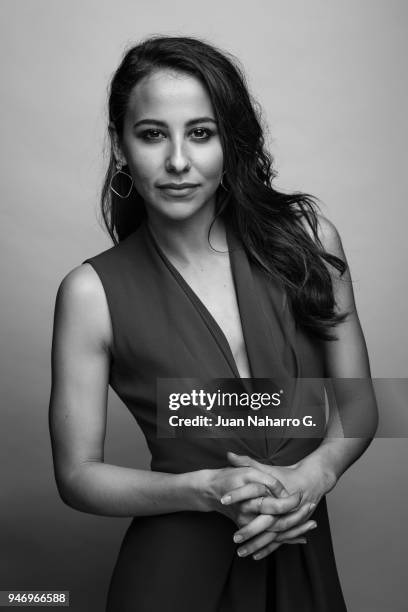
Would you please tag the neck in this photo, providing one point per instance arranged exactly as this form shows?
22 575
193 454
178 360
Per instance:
190 240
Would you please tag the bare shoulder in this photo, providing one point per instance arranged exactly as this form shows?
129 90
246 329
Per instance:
81 283
81 301
328 235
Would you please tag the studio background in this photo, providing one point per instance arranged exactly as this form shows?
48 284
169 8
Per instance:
331 79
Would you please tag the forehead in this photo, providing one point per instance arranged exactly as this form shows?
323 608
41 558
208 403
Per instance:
169 95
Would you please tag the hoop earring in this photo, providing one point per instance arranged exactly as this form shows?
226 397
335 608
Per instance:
221 183
120 171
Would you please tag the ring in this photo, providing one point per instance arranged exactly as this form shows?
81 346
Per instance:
268 491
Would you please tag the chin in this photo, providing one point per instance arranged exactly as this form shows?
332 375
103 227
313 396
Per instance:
180 211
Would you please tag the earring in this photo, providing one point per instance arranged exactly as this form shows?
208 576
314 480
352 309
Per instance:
120 171
221 183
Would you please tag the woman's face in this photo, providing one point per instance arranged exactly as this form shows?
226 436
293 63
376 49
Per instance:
170 137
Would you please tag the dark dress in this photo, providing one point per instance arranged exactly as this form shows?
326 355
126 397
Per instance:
187 561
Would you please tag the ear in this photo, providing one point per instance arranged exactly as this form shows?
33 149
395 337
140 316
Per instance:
117 147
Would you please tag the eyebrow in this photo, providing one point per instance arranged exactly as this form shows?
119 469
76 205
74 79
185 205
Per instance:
164 124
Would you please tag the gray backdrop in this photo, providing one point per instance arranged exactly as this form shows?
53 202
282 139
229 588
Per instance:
331 79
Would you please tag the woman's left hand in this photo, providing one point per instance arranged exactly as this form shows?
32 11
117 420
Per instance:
267 531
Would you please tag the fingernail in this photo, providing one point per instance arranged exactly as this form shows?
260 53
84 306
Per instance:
256 557
313 526
226 499
312 506
238 538
242 552
303 541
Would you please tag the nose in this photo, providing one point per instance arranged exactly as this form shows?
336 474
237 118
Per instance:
177 160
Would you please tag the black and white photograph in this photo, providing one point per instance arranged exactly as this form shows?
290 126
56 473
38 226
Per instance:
204 350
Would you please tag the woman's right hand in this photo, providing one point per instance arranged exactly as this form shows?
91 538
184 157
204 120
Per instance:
219 482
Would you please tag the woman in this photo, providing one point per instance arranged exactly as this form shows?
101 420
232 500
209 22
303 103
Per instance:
214 274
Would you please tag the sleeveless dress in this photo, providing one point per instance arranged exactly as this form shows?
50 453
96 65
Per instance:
187 561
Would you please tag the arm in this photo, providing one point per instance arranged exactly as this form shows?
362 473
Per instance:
78 405
82 338
318 472
345 358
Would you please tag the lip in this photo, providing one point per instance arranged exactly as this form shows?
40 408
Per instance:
179 191
180 186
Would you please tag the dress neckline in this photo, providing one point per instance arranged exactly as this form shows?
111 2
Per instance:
212 324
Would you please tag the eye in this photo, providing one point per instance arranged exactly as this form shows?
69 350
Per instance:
151 134
202 133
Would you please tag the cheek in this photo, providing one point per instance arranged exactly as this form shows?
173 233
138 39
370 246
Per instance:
210 162
142 161
143 168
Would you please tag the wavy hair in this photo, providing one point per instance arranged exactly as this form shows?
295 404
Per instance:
270 224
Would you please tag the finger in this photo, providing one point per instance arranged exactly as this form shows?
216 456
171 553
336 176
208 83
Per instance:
254 528
263 522
261 502
296 532
267 550
249 507
244 519
275 486
247 491
244 515
256 544
243 460
272 484
291 519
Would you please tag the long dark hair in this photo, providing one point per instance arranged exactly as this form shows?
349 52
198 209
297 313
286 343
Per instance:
269 223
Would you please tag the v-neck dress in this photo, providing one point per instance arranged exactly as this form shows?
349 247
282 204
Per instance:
187 561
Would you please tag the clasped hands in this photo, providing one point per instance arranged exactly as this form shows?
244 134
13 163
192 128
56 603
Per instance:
272 505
